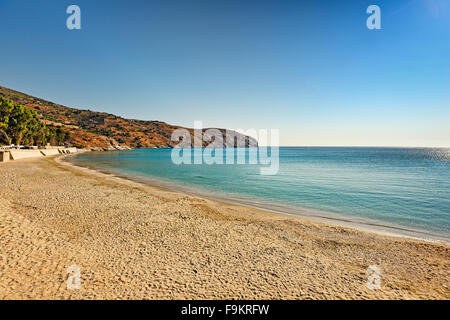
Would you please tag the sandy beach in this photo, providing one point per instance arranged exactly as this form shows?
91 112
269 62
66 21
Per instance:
133 241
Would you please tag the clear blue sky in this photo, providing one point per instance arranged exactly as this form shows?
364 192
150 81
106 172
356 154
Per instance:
310 68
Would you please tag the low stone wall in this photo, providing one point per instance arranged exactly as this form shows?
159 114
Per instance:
67 150
23 154
4 156
49 152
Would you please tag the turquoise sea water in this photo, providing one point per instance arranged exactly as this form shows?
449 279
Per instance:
403 188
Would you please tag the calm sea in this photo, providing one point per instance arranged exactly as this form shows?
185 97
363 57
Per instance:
401 189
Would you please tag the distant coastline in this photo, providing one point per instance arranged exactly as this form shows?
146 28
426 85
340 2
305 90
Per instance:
100 131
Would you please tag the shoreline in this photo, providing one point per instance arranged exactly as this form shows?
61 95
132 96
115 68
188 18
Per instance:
362 224
134 241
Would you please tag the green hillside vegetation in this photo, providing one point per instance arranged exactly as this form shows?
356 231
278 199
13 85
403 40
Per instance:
22 126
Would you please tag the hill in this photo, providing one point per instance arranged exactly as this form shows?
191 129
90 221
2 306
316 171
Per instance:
99 130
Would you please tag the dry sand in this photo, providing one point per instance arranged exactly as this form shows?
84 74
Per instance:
133 241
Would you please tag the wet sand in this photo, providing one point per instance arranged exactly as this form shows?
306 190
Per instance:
133 241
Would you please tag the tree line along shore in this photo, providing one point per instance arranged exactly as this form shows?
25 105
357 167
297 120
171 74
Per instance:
22 126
